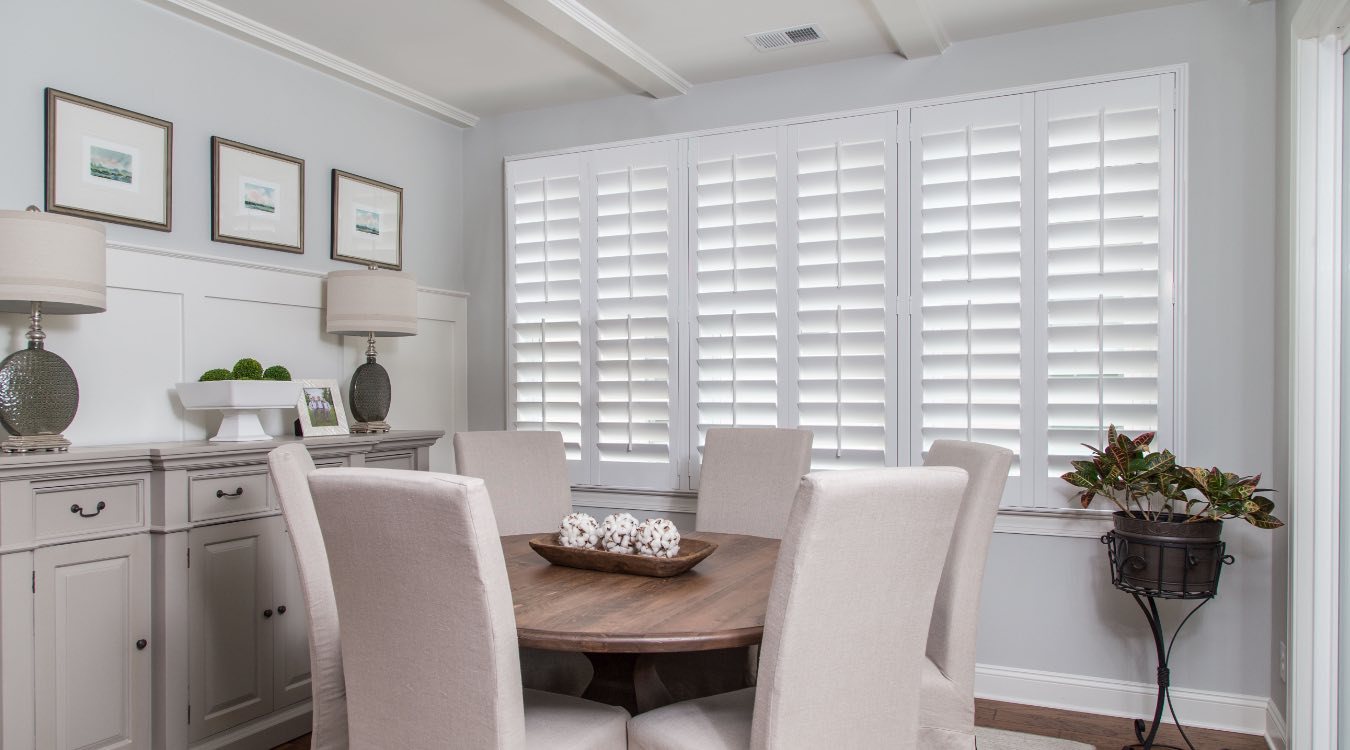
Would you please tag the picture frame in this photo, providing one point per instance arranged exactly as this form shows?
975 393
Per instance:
257 197
320 407
107 163
367 221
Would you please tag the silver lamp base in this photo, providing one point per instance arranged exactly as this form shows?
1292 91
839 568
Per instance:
370 427
34 443
38 395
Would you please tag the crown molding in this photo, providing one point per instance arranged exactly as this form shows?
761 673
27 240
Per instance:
595 37
242 27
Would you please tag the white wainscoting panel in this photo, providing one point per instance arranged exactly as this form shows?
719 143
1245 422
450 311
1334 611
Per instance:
173 315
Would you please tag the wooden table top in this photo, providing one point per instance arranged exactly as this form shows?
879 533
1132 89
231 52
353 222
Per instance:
719 604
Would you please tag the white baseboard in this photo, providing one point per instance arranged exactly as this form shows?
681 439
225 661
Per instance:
1277 735
1196 708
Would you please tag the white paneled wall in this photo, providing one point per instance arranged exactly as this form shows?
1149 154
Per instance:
172 316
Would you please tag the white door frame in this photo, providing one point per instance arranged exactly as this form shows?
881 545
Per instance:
1314 383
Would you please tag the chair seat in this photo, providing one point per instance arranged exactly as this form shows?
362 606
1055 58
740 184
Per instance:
718 722
564 722
941 704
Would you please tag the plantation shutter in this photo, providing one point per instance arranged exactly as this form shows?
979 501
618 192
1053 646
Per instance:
843 236
546 285
971 219
737 236
633 193
1106 206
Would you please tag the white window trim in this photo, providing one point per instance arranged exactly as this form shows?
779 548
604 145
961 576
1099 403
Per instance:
1048 521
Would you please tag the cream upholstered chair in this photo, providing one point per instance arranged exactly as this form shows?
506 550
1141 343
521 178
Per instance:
290 466
428 629
846 625
749 477
526 477
525 473
947 718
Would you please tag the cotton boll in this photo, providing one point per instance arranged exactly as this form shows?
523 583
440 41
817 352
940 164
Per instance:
658 537
579 530
617 532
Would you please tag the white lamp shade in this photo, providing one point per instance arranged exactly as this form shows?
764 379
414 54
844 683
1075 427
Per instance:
360 303
59 261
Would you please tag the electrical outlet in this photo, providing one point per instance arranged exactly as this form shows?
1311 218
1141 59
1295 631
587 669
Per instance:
1284 663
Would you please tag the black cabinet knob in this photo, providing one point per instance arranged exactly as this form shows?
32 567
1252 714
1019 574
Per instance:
141 644
267 613
281 610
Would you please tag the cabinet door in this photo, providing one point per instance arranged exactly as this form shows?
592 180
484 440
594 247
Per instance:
92 675
229 619
292 625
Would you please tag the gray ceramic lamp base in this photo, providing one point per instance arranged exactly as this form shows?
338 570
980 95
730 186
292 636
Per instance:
369 397
39 396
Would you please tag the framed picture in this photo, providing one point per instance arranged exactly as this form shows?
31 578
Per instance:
367 221
257 197
107 163
320 408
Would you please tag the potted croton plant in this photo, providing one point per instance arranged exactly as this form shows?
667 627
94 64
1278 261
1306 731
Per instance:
1169 518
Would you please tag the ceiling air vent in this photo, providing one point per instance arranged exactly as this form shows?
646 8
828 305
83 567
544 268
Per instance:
797 35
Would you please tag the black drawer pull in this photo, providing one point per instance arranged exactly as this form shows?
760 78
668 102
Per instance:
141 644
237 492
281 610
97 509
267 613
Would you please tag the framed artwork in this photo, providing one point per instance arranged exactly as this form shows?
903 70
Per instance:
320 408
257 197
367 221
107 163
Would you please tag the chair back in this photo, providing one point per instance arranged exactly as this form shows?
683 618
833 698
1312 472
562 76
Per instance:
849 607
749 479
428 630
956 613
525 473
290 466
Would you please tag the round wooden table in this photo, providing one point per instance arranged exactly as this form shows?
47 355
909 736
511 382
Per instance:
615 619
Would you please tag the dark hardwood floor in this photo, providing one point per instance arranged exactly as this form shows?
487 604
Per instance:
1103 732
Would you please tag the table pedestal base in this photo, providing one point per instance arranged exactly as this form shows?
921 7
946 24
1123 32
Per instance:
614 681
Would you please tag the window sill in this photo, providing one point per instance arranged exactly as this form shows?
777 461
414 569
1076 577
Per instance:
1070 522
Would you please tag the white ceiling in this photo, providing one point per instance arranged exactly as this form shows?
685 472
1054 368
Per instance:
465 58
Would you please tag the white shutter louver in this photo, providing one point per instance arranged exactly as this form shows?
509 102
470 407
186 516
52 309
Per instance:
971 202
634 200
844 241
546 287
1108 254
735 181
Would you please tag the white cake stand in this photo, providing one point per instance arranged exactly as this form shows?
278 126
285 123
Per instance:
239 403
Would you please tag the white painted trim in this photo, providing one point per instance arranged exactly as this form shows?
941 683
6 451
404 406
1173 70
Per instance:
1277 736
1180 70
203 257
596 38
1098 695
913 26
242 27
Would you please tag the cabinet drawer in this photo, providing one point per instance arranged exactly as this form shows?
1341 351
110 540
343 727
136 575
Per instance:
390 461
90 508
220 495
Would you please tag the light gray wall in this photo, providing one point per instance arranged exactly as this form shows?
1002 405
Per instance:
1048 604
133 55
1279 477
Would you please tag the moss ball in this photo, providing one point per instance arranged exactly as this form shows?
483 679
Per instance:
276 372
220 373
248 369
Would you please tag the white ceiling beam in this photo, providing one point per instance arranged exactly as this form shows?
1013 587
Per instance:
913 26
242 27
591 34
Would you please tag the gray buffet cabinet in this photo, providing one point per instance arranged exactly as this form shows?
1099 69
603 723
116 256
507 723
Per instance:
149 596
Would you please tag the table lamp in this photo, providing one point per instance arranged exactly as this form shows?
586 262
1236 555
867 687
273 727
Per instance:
371 303
48 264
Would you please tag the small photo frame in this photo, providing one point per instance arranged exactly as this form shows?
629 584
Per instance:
108 164
257 197
367 221
320 408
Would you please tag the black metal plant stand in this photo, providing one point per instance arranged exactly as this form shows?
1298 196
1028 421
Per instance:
1139 567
